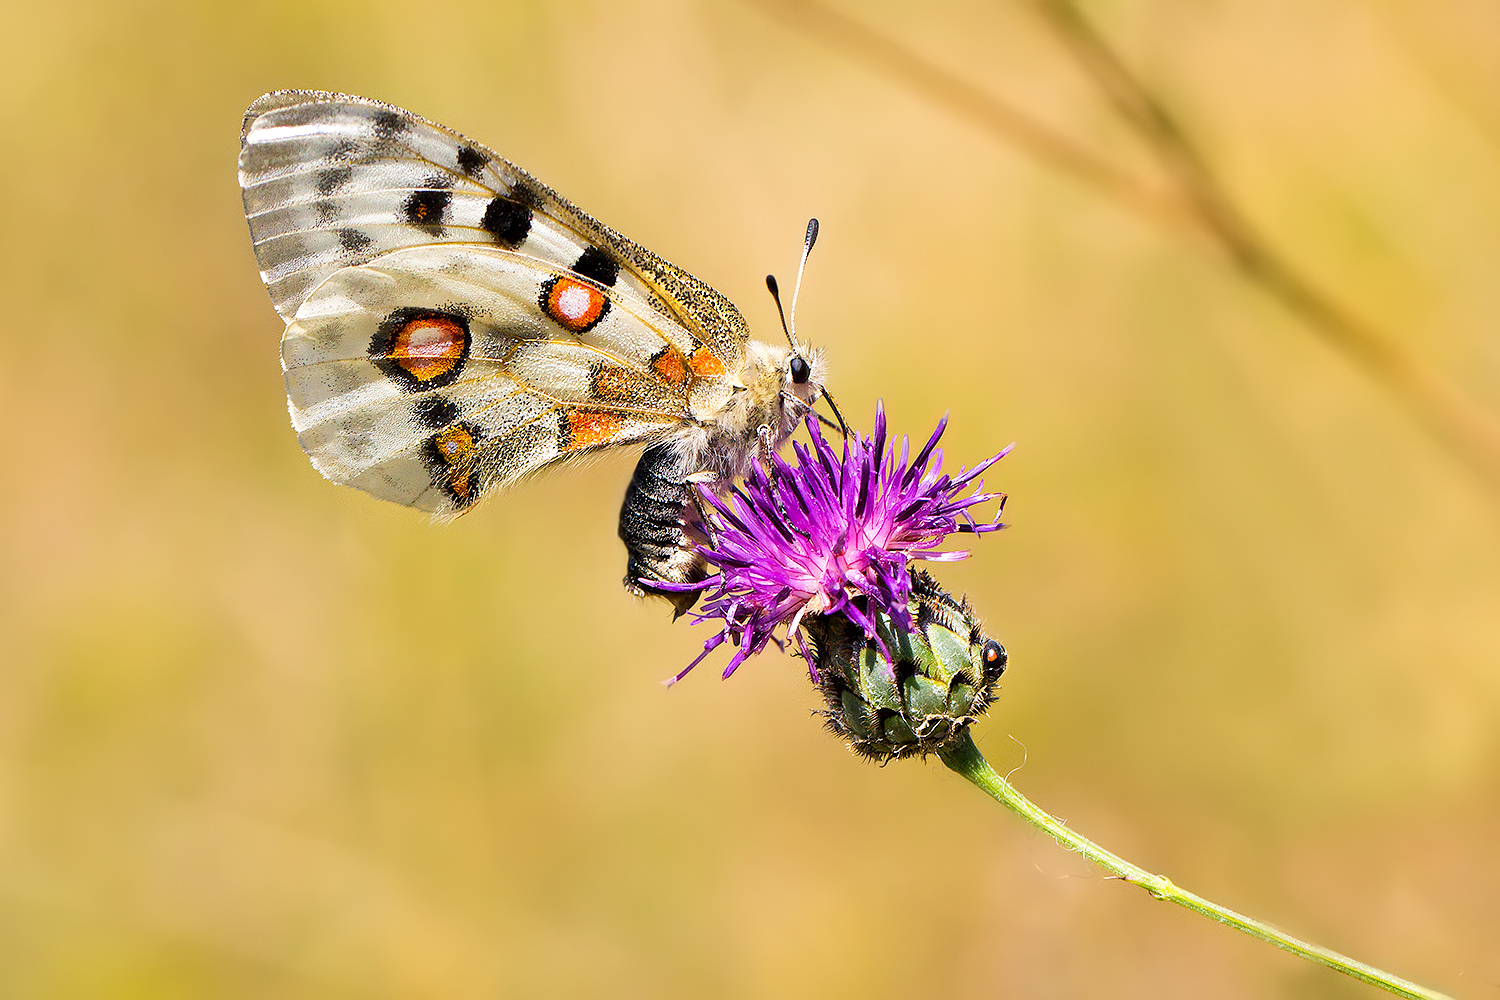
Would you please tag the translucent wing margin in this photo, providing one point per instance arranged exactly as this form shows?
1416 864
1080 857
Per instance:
332 181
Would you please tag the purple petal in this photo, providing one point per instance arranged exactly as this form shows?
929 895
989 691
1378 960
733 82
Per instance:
832 527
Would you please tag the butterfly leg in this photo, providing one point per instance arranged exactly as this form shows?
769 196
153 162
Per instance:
767 443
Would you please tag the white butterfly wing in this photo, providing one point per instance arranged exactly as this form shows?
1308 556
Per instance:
453 324
331 180
467 385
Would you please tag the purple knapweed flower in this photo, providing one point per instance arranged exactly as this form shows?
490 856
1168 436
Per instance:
810 538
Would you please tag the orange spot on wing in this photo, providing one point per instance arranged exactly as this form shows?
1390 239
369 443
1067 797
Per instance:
428 347
454 445
705 364
451 454
462 487
670 365
574 304
586 428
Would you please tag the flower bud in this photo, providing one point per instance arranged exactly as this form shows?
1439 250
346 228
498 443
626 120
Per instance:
905 693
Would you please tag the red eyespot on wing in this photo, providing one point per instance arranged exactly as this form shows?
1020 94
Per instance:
429 347
577 306
421 349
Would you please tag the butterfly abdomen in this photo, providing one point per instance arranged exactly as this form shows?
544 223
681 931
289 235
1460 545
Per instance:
658 524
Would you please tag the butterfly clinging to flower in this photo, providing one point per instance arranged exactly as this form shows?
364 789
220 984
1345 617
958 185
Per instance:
453 325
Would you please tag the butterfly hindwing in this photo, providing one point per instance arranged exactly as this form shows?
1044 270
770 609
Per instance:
436 374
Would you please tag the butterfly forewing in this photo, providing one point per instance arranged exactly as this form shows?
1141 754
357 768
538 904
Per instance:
330 181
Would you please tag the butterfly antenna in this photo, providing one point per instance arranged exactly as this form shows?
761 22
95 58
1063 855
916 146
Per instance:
775 291
789 323
790 327
807 245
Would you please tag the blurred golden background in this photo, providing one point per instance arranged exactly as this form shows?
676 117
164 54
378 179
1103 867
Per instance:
261 736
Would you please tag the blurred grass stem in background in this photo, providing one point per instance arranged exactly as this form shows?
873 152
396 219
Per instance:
991 113
1195 199
963 757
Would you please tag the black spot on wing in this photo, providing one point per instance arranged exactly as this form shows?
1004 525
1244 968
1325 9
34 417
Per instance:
353 241
389 125
596 264
507 221
471 161
525 194
434 412
343 150
426 208
329 181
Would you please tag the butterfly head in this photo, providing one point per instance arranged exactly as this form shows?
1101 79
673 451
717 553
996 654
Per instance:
803 379
781 385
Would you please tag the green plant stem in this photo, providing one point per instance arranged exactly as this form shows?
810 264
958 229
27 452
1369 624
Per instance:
964 758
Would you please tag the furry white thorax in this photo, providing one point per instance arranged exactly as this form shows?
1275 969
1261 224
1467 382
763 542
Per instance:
767 406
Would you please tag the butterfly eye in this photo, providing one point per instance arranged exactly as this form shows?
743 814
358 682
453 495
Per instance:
801 370
994 658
